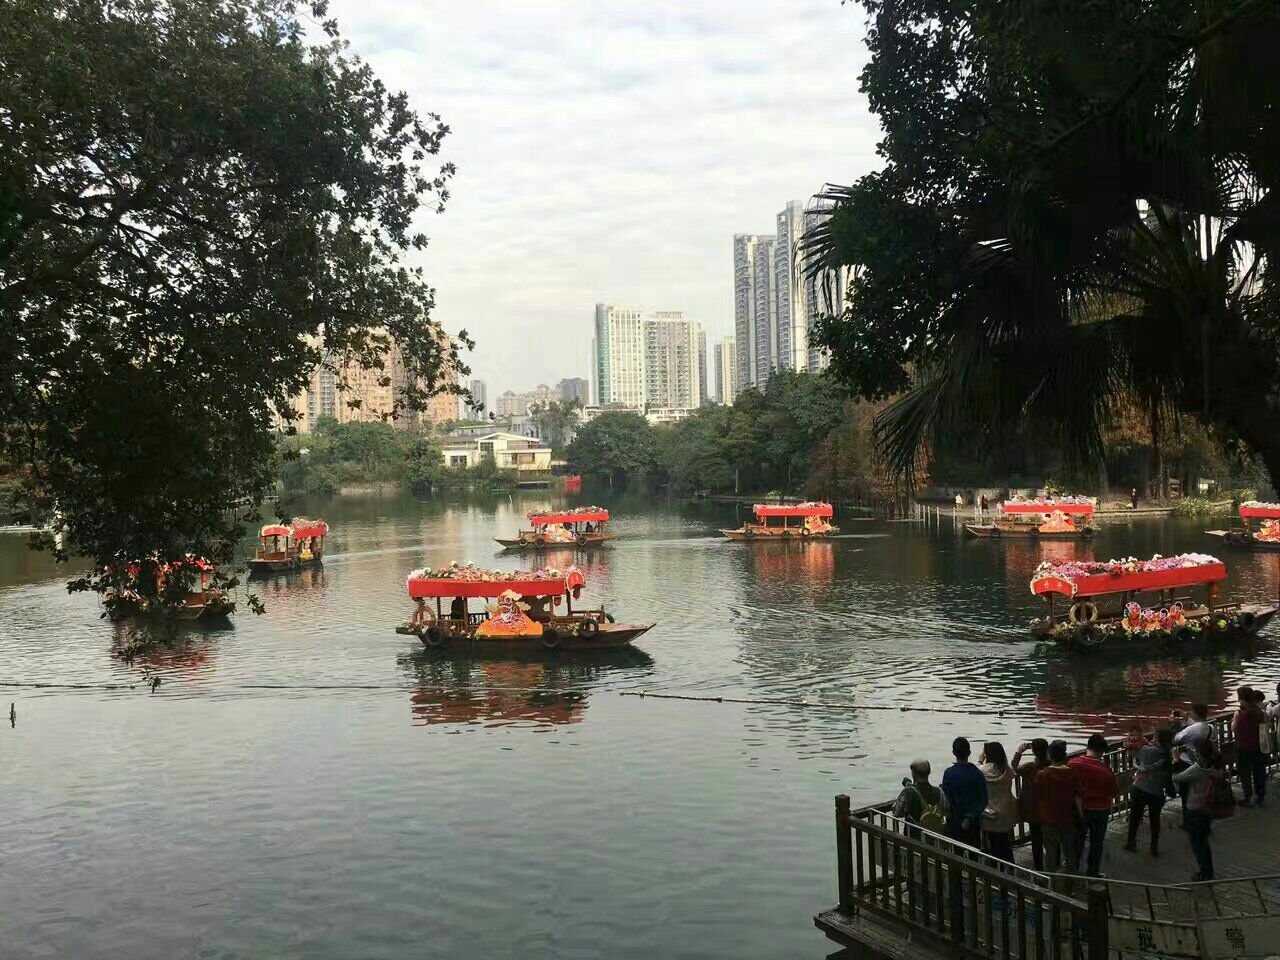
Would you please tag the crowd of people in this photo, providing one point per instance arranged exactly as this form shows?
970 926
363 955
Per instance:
1066 803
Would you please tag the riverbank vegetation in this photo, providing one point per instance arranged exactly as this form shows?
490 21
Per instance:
803 434
203 202
1043 246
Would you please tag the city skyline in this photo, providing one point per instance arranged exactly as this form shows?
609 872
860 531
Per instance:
544 220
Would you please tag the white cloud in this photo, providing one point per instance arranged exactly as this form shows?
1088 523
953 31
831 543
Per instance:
608 151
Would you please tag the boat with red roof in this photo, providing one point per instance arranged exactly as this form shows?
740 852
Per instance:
183 590
1045 518
1134 602
1266 537
792 521
291 546
522 614
578 527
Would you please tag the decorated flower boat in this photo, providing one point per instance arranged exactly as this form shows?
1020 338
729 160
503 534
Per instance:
182 590
1045 518
786 521
1266 537
1104 607
523 611
289 546
572 527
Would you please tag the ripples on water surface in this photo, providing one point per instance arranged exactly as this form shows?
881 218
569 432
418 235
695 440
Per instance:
309 784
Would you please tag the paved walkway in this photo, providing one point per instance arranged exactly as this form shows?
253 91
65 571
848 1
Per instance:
1245 845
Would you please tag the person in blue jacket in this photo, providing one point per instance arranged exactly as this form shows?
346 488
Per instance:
966 790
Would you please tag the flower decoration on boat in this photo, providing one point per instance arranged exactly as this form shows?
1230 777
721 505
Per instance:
1073 570
1051 502
471 573
1269 531
1132 619
558 511
1260 505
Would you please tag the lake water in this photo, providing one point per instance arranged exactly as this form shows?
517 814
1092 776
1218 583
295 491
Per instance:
310 784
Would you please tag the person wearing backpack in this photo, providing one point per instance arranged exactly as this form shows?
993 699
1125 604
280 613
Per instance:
1204 780
921 803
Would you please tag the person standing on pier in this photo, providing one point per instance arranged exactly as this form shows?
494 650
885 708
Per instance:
1152 783
966 790
921 803
1098 791
1189 740
1058 807
1001 813
1246 730
1198 780
1028 804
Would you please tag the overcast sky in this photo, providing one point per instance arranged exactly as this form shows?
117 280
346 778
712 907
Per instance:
608 151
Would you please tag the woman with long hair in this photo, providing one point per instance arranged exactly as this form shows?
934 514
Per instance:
1001 815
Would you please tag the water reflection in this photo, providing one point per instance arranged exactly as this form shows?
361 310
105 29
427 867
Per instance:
811 565
507 690
1108 695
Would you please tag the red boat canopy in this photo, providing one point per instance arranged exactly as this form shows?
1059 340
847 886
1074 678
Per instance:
1260 511
523 582
1047 506
793 510
1096 579
275 530
303 527
569 516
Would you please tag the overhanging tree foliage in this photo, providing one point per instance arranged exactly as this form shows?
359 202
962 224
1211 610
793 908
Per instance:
1077 200
200 201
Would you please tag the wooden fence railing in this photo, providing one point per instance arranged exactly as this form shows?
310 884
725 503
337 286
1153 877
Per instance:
960 897
987 909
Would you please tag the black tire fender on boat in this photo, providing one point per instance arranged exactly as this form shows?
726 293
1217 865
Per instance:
1088 533
434 635
748 533
1089 635
540 541
608 617
522 540
580 539
1083 611
1035 533
589 629
805 532
551 638
786 534
995 531
1247 621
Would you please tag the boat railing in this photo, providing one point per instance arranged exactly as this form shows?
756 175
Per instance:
958 898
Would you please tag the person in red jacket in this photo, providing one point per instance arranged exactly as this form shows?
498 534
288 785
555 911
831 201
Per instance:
1057 808
1098 790
1246 728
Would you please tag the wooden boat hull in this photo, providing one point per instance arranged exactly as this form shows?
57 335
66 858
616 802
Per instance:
996 531
788 535
589 541
610 637
1262 614
217 609
1233 538
261 568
